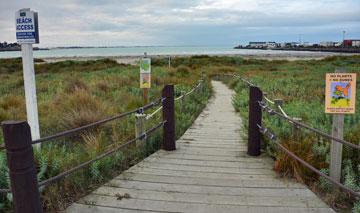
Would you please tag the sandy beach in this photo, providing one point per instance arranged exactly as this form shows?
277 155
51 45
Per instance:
296 55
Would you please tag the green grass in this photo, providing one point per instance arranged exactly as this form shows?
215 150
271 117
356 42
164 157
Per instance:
73 93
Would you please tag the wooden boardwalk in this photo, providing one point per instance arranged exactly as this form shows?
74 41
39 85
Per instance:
209 172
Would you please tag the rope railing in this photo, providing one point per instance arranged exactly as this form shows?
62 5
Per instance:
271 111
20 155
271 136
282 111
268 100
176 99
153 113
95 124
291 120
99 157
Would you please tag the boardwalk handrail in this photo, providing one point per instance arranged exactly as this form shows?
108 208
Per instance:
176 99
97 123
255 102
282 114
272 137
103 155
271 111
20 155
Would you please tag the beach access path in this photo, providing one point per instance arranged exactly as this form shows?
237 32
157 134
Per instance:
209 172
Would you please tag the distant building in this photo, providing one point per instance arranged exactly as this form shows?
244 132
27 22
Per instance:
352 43
9 46
263 44
289 44
328 44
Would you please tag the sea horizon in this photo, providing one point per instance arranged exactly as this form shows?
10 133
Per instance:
156 50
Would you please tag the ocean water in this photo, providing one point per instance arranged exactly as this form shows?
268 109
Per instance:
161 50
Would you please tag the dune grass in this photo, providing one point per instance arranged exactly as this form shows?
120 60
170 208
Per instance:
74 93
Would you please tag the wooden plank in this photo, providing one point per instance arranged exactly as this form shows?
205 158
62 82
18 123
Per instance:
216 190
212 199
225 182
174 206
201 174
207 169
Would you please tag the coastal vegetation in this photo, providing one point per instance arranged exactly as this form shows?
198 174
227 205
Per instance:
75 93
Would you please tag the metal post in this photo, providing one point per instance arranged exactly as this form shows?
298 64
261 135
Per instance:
254 120
140 127
169 61
182 101
169 116
30 90
20 157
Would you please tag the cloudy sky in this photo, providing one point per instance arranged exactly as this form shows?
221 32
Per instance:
184 22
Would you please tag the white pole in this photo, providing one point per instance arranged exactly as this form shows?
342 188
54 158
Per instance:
30 91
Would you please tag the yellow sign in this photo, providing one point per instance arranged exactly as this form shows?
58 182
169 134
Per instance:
145 80
340 93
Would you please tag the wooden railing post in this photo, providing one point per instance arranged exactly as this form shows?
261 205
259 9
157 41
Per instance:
140 119
182 101
254 120
20 157
169 116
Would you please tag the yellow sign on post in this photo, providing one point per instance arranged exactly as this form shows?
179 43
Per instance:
340 93
145 73
145 80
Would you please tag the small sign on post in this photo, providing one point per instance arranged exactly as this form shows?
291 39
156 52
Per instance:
27 33
145 76
339 100
340 93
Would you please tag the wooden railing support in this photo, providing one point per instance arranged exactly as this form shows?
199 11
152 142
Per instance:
20 157
254 120
169 116
140 119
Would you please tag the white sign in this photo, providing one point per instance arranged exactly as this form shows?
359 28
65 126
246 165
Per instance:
145 65
26 26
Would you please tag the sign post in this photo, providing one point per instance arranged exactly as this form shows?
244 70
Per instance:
145 76
27 33
339 100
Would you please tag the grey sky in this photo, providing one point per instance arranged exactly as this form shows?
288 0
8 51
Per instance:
197 22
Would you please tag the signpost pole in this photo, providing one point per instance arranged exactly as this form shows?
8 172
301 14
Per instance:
336 148
27 33
30 91
146 96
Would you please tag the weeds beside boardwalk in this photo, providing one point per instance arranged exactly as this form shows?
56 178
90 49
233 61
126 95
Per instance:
72 94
